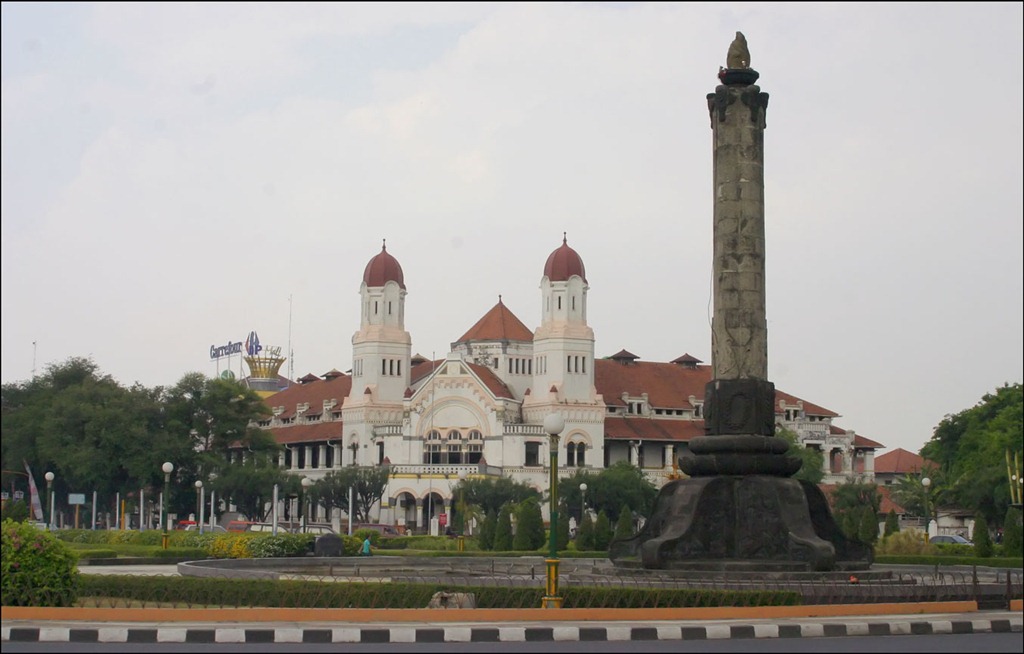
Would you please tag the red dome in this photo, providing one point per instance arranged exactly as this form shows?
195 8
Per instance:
382 269
563 264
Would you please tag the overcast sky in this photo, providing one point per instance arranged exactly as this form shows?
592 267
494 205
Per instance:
178 175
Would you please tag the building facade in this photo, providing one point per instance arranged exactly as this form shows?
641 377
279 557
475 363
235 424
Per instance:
480 409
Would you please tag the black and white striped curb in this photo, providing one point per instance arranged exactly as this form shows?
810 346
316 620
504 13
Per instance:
475 634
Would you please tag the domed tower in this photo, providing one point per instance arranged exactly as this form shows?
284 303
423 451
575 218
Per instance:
563 345
381 349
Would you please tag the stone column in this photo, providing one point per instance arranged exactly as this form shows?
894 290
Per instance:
322 456
739 419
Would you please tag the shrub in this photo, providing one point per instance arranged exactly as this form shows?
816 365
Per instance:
892 523
529 526
867 531
624 525
982 539
37 569
503 530
602 532
907 542
1013 533
585 534
487 528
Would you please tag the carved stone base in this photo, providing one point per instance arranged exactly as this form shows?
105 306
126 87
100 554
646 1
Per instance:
736 523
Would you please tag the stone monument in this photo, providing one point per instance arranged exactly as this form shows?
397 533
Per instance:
740 509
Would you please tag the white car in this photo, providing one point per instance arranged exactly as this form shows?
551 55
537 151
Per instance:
954 539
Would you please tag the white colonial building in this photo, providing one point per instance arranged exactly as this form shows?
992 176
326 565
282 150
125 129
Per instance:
480 410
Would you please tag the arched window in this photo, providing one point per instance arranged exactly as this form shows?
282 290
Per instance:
454 435
475 435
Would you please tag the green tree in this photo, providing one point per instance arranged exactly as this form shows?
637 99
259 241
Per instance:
487 530
585 534
15 510
250 486
982 539
811 460
970 448
562 536
867 531
529 526
624 525
602 532
1013 533
892 523
621 484
492 493
503 530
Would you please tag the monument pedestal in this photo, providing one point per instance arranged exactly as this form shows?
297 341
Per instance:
741 523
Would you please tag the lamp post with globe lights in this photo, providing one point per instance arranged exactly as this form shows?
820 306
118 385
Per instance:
583 501
168 468
201 499
49 499
554 423
303 502
926 482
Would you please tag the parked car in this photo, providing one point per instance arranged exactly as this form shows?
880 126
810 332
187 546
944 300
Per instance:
240 525
954 539
206 529
385 531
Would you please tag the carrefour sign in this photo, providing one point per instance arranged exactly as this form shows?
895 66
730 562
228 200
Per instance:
251 347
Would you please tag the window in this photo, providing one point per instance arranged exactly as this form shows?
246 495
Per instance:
570 454
474 454
454 435
533 454
432 454
581 448
475 435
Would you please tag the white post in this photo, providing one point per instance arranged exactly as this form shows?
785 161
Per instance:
202 507
52 524
142 509
117 511
94 510
273 515
160 519
213 508
351 504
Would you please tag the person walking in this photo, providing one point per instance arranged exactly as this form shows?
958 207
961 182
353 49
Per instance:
366 548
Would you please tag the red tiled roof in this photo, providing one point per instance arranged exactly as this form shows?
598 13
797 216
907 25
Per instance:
314 392
491 380
498 324
317 431
900 462
860 441
666 384
616 428
809 408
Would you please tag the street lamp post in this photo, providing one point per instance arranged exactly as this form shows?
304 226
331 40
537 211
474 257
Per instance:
303 502
168 468
201 499
554 423
49 498
926 482
583 502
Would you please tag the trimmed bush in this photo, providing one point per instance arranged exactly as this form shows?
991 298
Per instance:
37 569
1013 533
982 539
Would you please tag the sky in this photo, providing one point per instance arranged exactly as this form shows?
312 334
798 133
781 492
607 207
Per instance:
175 176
